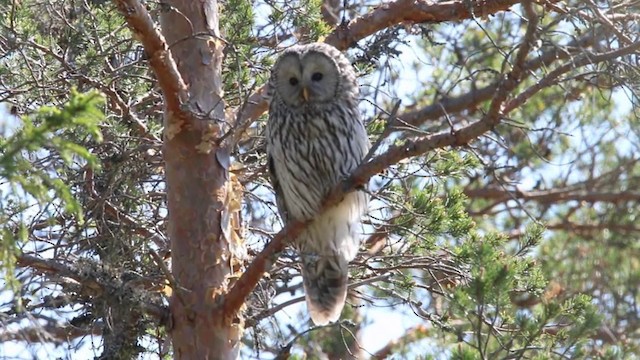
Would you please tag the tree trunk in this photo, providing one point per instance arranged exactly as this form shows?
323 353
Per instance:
197 176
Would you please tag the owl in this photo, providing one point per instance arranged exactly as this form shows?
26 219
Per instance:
315 139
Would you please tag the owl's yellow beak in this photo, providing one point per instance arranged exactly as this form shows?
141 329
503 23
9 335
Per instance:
305 94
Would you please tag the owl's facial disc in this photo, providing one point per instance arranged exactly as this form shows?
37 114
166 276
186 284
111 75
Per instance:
288 79
320 78
308 79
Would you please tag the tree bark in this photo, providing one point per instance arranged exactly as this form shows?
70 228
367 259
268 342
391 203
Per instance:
197 176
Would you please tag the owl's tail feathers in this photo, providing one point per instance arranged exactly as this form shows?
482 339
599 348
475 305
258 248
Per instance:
325 285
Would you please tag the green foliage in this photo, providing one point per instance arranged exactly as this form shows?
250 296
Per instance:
47 131
237 23
304 16
431 210
9 242
426 218
498 325
310 19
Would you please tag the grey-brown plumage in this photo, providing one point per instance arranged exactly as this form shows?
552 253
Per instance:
315 138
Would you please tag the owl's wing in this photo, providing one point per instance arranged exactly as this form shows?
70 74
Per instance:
282 209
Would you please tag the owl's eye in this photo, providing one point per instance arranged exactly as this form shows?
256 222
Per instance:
293 81
316 76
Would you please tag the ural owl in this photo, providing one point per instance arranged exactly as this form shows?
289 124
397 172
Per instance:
315 139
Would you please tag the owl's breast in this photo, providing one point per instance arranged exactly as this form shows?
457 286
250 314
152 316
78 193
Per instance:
312 152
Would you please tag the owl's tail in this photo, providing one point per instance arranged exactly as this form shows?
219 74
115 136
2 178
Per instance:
325 285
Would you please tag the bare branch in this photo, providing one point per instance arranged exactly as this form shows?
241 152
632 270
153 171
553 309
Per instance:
410 11
52 333
553 196
452 105
553 77
53 267
119 215
82 277
116 99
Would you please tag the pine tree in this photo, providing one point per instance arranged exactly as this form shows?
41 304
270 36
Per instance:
137 219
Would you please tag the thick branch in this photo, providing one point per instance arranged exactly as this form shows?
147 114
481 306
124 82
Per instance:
160 59
411 11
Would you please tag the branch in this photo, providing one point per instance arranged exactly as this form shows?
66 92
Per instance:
411 335
475 97
591 229
603 333
600 17
120 216
174 89
587 231
81 276
552 196
53 267
51 333
411 11
553 77
452 105
117 101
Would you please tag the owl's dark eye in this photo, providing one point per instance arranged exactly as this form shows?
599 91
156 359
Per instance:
316 76
293 81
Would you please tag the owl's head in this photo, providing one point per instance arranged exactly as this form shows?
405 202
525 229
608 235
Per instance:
312 74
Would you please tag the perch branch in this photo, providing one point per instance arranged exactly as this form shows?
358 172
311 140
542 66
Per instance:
262 263
410 148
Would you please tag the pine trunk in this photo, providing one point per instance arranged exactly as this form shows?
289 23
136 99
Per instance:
197 175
